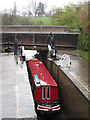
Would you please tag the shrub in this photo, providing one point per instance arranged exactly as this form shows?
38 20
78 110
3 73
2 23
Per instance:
83 43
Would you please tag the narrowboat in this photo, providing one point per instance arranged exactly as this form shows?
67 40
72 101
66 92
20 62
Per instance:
44 87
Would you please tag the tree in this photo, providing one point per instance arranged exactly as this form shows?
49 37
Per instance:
41 9
33 7
30 13
67 16
27 11
84 22
14 9
36 8
76 17
55 15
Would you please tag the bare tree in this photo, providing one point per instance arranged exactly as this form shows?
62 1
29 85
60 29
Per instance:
14 9
29 10
32 6
9 16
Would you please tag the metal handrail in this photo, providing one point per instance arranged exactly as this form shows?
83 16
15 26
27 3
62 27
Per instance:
42 45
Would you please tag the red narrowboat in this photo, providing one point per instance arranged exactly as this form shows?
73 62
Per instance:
44 88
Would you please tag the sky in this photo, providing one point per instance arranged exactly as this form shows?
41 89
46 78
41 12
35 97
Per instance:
20 4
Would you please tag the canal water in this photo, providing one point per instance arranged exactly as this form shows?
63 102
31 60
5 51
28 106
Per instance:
59 115
79 66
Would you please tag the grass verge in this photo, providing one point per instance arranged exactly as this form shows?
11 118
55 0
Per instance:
83 54
42 20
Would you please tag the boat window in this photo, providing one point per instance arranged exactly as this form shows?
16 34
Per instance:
43 92
48 92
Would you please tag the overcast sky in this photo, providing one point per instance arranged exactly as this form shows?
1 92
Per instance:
9 4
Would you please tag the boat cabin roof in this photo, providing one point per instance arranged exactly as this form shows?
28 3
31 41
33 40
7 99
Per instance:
40 74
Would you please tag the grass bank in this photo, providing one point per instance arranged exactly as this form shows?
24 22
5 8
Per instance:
83 54
42 20
33 20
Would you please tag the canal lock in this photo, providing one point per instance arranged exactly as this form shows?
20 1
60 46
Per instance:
73 104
